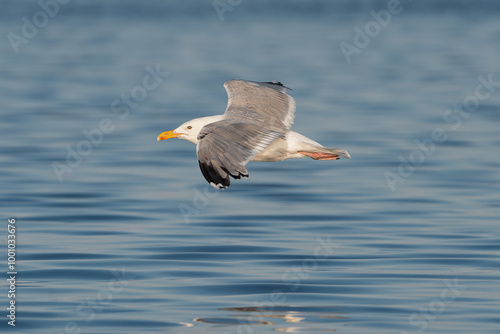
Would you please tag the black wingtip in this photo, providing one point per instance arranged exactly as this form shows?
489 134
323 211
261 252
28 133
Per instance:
218 177
214 176
277 83
218 186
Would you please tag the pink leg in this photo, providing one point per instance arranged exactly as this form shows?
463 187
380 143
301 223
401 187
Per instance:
320 156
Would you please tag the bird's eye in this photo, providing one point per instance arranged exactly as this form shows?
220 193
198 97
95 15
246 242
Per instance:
190 127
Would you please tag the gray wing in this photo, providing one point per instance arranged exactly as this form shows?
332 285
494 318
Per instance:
257 113
225 147
260 102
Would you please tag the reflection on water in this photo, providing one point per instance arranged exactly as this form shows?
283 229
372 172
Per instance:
116 216
232 321
252 316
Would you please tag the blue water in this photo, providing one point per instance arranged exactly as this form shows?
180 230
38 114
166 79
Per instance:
128 237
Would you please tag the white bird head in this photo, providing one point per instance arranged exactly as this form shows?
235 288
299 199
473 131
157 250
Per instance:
189 130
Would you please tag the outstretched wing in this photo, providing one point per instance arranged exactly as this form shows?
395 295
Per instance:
225 147
265 102
257 113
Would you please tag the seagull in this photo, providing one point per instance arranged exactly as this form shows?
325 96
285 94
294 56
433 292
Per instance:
255 127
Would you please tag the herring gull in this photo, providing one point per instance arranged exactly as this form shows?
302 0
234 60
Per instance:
255 127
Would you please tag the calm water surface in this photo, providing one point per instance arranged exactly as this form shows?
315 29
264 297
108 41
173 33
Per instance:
402 238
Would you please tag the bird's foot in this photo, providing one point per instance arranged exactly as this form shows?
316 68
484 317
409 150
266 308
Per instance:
320 155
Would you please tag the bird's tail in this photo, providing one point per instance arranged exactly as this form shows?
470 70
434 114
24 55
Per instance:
321 149
337 151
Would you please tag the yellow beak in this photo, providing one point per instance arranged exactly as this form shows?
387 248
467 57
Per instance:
168 134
